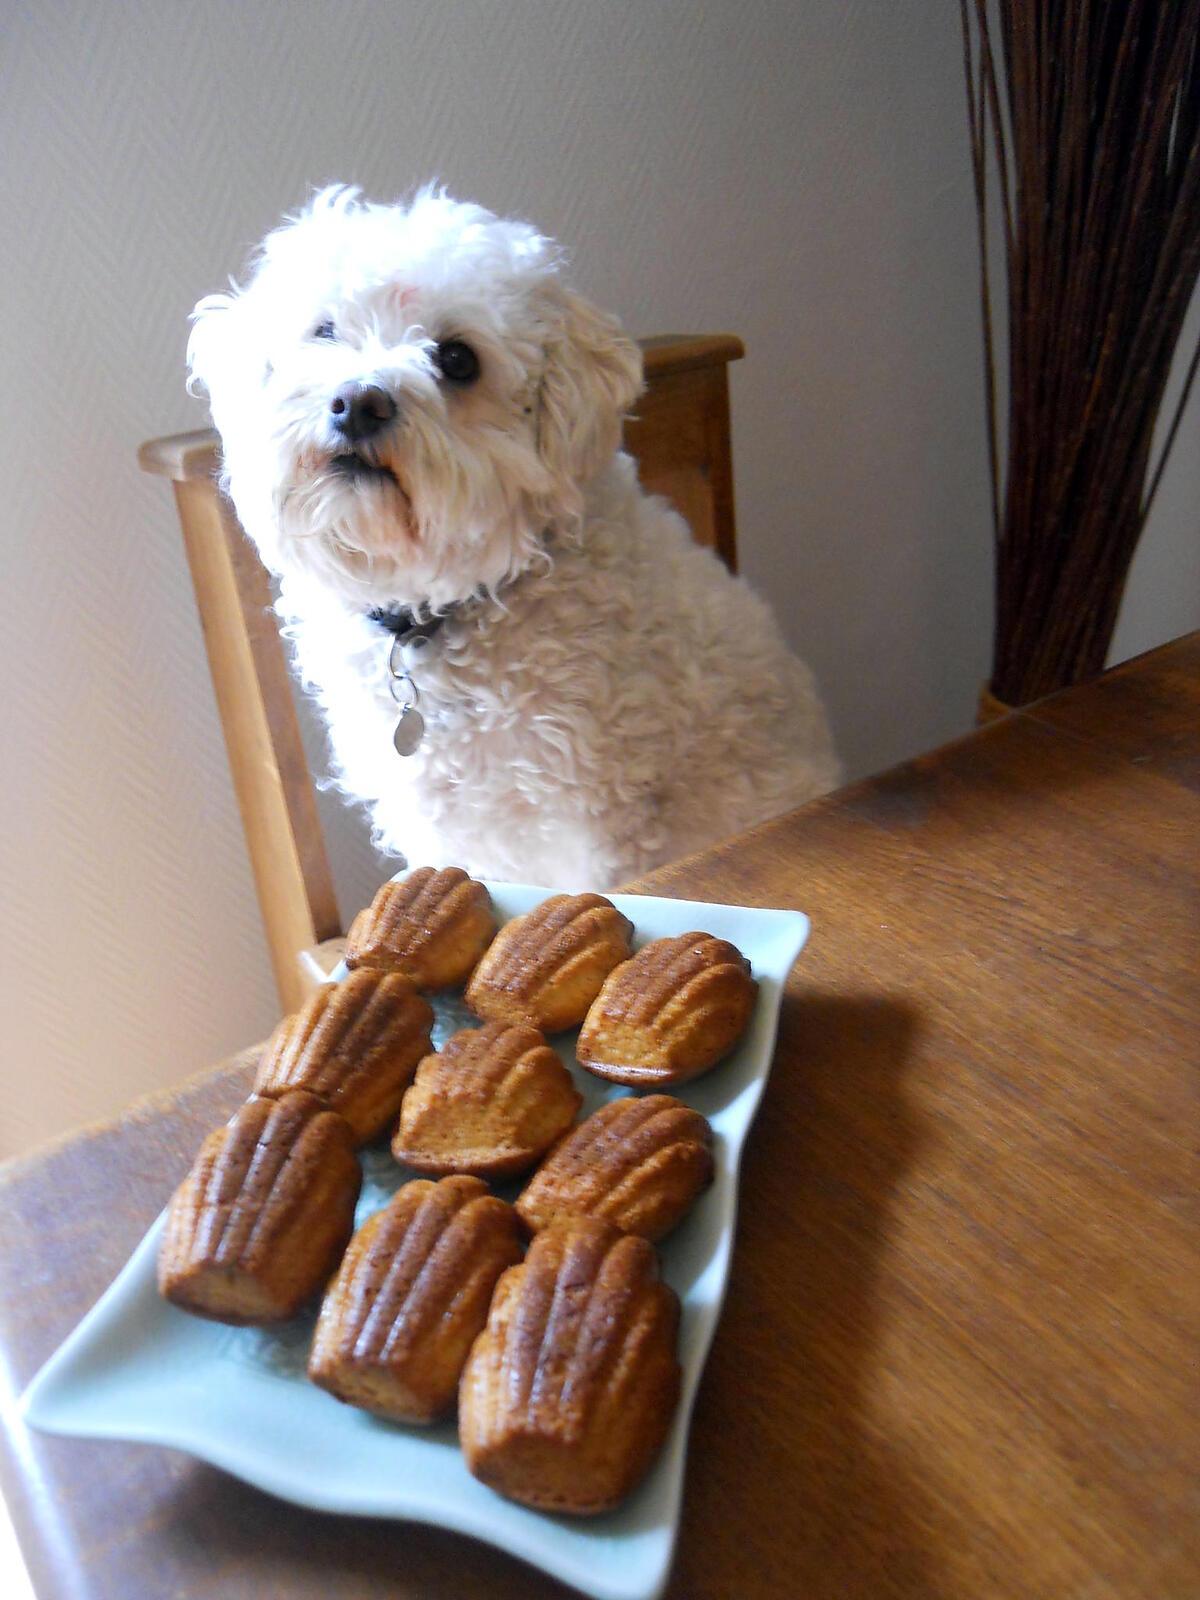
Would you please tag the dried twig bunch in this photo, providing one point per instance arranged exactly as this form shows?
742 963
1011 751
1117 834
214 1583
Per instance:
1090 115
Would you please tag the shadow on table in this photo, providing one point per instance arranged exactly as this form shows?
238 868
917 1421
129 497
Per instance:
252 1545
788 1469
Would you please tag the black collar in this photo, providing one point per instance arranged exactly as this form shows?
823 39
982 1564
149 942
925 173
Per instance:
410 625
407 625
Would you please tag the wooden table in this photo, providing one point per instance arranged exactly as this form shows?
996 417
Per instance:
956 1356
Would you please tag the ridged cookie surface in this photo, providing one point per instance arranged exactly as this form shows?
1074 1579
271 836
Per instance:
410 1296
671 1012
355 1045
432 927
569 1391
260 1222
546 967
491 1102
639 1162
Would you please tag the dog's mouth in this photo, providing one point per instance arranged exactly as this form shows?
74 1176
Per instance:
359 469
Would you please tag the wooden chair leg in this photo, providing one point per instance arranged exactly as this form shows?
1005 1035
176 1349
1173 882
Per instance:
266 756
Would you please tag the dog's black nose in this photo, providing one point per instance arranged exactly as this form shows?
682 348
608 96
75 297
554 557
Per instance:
361 409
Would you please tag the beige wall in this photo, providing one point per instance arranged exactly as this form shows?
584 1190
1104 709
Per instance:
796 172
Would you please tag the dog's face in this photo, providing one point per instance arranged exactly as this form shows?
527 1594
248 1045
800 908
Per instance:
408 398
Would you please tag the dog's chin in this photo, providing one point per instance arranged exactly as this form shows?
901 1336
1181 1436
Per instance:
349 523
348 478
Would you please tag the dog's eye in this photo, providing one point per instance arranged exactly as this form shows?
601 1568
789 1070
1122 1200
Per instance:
456 361
324 330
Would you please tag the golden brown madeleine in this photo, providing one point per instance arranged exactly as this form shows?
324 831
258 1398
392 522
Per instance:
639 1162
547 967
261 1220
671 1012
355 1045
569 1391
411 1295
493 1101
433 927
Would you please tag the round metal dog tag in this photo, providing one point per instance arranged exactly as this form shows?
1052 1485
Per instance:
409 731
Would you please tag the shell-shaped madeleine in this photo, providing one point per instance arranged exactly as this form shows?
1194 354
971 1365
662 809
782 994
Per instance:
569 1391
432 927
354 1045
671 1012
493 1101
410 1296
547 967
638 1162
259 1223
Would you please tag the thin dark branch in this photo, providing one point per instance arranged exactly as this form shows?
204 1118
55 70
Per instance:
979 167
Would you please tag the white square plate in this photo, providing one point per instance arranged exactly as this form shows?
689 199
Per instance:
137 1368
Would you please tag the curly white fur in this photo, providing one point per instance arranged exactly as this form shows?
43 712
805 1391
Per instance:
603 696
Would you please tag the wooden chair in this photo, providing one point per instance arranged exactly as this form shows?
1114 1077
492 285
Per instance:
680 438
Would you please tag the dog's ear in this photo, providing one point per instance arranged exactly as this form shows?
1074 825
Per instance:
224 358
593 375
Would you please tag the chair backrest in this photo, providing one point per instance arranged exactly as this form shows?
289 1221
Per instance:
680 438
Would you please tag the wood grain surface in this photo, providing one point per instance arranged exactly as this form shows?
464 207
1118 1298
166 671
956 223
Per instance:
957 1357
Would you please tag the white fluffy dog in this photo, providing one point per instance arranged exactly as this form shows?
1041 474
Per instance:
421 431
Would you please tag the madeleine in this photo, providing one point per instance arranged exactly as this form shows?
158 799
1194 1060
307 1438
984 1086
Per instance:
355 1045
432 927
569 1391
490 1102
546 967
410 1296
670 1013
639 1162
260 1222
